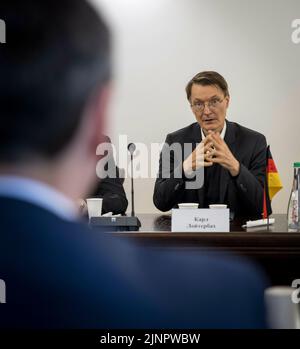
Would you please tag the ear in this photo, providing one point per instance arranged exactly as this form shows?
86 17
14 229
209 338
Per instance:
227 101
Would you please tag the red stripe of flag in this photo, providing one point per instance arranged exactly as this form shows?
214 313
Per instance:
271 166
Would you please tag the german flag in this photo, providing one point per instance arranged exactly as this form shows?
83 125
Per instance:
272 183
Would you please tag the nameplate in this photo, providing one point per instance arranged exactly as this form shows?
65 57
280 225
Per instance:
200 220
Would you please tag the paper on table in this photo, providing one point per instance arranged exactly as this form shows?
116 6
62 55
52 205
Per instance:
259 222
110 214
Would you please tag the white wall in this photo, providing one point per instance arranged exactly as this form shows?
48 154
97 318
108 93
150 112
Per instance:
161 44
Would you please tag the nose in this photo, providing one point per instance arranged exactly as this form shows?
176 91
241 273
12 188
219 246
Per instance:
206 110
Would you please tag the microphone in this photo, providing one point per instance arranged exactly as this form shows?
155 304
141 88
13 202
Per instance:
131 148
123 223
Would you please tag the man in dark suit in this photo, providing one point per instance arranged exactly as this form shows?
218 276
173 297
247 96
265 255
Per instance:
230 157
53 95
109 183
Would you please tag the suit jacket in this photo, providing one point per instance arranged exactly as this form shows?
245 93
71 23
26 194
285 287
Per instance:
111 189
60 274
113 194
244 192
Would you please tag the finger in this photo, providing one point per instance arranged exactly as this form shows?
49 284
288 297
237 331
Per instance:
207 139
208 148
209 159
212 152
200 145
199 156
217 161
199 160
217 145
207 163
215 157
215 136
218 139
198 152
203 164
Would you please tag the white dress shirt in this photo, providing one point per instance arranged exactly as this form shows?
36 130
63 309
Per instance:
222 133
39 194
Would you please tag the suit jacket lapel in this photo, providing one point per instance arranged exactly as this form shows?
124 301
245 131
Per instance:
196 135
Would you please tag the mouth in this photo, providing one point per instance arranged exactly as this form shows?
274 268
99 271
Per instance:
209 121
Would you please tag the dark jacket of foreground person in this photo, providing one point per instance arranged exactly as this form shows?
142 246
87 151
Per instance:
59 274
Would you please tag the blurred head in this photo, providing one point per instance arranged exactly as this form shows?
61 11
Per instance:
55 70
209 98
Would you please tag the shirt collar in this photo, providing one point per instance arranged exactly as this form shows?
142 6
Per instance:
39 194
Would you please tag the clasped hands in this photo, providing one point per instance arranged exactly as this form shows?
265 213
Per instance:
212 150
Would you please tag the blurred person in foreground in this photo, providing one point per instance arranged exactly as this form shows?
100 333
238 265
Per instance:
54 90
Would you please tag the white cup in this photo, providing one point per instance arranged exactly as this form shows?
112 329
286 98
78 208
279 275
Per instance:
282 313
217 206
94 206
188 205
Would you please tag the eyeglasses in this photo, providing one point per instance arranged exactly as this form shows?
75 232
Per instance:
211 104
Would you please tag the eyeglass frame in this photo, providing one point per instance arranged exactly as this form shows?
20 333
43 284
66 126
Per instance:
208 104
